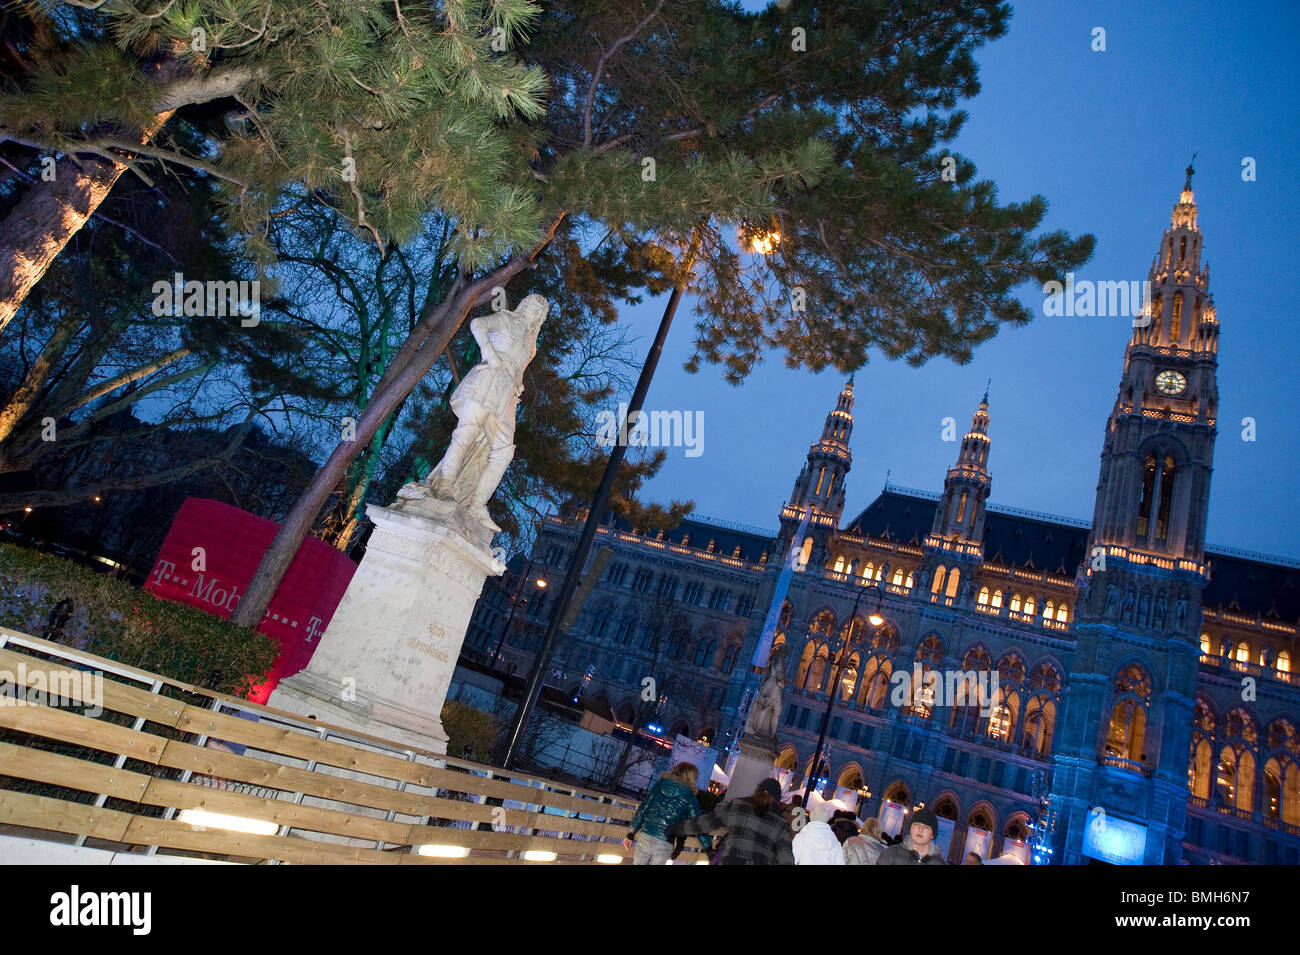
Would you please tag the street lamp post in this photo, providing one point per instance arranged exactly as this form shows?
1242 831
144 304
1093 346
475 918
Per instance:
514 605
833 689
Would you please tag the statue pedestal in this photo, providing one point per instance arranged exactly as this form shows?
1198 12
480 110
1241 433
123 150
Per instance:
754 764
385 661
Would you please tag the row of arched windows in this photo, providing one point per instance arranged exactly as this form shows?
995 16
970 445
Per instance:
1267 656
1225 761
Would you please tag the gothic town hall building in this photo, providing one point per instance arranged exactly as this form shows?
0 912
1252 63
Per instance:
1147 699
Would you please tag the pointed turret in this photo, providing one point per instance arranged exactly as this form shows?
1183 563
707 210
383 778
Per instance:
960 513
821 482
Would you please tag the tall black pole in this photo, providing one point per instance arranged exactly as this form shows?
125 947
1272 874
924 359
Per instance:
594 514
514 605
834 689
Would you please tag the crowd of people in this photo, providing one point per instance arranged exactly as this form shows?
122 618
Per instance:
760 829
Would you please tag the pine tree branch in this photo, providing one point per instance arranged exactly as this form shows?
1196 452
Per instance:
600 68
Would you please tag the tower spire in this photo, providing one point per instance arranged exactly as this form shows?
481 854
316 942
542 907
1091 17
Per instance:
821 482
960 514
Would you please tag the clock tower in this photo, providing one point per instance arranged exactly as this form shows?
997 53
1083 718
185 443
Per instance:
1127 727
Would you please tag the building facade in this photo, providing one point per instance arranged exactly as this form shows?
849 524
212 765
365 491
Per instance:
1111 690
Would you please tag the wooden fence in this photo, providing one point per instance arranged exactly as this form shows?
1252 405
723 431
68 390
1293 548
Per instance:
106 756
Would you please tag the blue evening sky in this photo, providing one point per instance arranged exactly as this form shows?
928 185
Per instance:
1105 137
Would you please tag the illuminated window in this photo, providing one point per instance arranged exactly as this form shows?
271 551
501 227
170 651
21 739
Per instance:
1000 722
954 579
1284 662
910 580
897 580
997 598
1205 644
939 573
1049 609
839 565
1063 612
961 508
1243 652
1029 604
983 597
1015 603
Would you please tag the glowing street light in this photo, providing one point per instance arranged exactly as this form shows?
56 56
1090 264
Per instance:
764 243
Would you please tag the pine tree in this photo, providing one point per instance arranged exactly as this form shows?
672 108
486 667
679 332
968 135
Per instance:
388 109
822 131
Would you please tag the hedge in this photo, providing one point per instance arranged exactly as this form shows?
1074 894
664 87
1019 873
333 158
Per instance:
113 619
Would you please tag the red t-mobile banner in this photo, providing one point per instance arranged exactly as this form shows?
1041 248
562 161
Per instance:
212 552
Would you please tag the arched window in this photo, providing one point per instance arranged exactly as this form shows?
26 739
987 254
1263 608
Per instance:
1235 782
939 573
704 652
849 677
868 571
1198 772
875 682
805 663
997 599
954 579
1049 610
983 597
1205 644
1029 604
897 579
839 565
1063 612
1283 662
1147 493
729 658
1015 603
805 554
1243 652
818 673
930 652
1128 716
1002 717
1040 721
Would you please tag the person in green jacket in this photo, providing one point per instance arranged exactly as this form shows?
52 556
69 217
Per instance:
670 800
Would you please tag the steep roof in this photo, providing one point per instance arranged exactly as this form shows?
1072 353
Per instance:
1246 583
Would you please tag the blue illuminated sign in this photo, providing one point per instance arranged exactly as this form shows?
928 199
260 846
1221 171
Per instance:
1117 841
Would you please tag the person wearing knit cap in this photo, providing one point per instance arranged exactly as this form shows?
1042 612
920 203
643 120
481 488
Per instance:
918 846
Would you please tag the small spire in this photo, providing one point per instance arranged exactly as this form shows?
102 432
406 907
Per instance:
986 390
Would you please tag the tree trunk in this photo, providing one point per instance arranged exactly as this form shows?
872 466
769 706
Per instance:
411 363
49 216
38 228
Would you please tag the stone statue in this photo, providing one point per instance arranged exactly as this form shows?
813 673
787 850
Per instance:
1112 596
1128 603
1144 608
765 714
482 446
1161 610
1180 610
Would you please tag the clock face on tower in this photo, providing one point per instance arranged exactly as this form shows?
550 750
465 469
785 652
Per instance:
1171 382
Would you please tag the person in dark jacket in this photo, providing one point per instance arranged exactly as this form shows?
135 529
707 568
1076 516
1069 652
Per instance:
670 800
757 830
917 847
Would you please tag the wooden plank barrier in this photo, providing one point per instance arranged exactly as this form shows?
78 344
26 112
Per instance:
323 794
